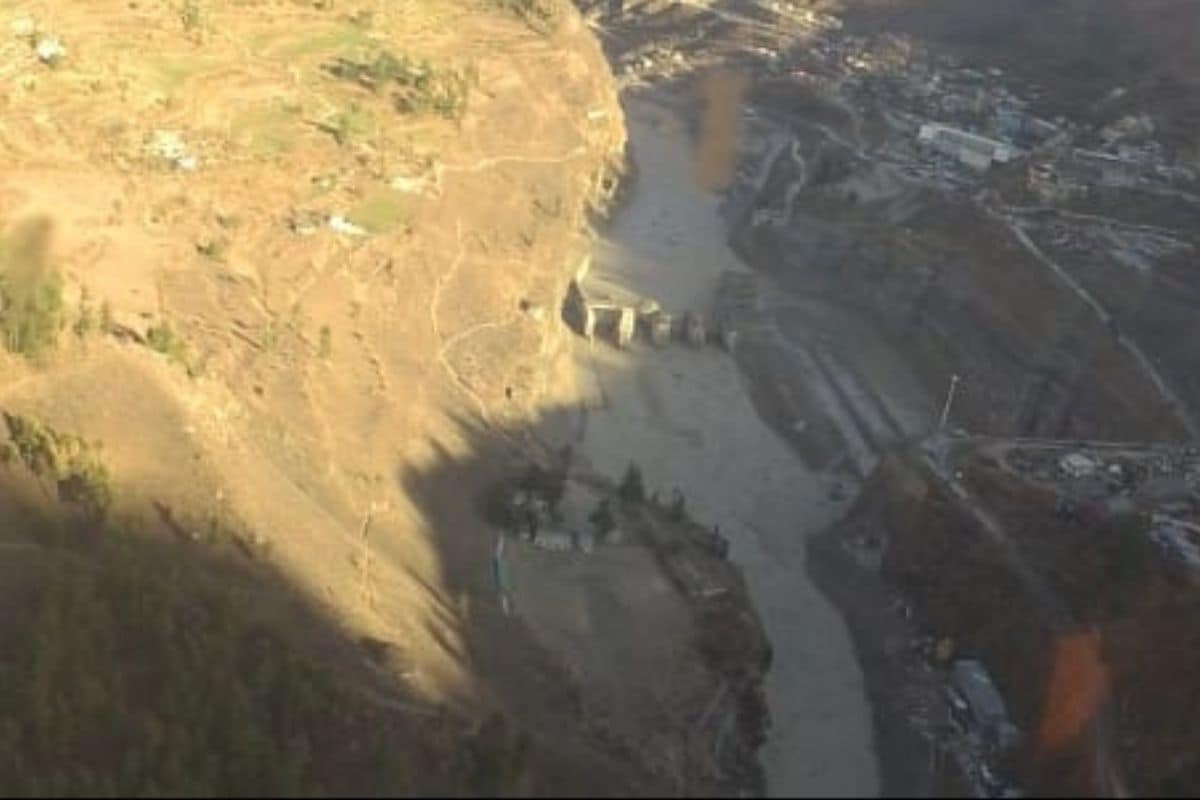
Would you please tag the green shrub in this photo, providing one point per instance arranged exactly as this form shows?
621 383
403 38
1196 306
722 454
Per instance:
214 248
550 485
326 346
421 87
163 339
69 462
30 291
32 322
345 125
191 15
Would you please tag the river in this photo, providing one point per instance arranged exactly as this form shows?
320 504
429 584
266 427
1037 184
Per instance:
686 418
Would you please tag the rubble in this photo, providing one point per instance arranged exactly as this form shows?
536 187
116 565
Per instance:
169 146
50 51
339 224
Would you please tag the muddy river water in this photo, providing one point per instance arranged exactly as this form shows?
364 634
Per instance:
686 418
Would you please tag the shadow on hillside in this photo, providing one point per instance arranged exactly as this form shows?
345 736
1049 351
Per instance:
165 660
458 495
168 659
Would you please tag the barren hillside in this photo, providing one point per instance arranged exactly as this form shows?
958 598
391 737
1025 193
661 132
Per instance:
265 259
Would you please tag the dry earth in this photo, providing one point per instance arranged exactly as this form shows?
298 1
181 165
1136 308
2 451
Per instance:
285 291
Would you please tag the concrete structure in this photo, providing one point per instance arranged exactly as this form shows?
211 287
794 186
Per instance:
978 706
977 152
1106 169
589 322
1077 465
728 335
560 541
693 330
626 326
659 328
606 310
1016 125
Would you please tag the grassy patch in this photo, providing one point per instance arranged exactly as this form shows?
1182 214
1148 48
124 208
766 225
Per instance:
271 130
380 211
350 124
191 15
69 462
30 290
162 338
170 75
420 87
326 345
216 248
338 39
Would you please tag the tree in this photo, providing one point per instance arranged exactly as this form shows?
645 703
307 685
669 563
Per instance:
678 510
549 485
603 518
632 490
554 489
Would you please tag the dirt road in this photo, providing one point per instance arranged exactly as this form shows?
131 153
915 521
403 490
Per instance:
686 418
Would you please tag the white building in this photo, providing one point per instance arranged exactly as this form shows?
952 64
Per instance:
977 152
1105 168
557 540
1077 465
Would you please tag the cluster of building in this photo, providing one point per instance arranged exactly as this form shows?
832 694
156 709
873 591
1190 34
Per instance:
1068 172
971 149
1161 483
971 117
569 524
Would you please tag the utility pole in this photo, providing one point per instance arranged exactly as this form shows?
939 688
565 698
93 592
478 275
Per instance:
949 402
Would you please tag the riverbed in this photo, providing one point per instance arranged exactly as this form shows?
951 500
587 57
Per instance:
685 417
